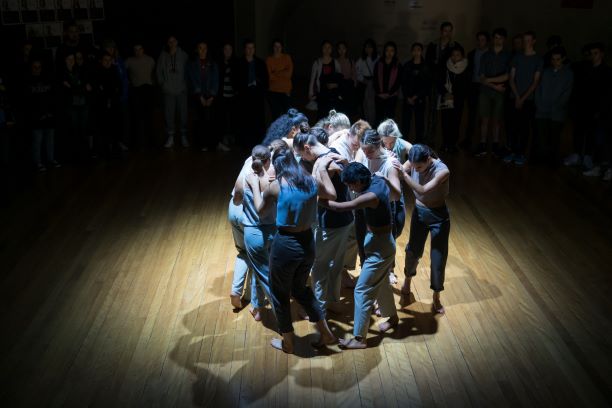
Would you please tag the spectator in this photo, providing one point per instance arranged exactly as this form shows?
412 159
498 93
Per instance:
364 67
280 72
578 109
40 115
525 72
437 54
76 89
415 88
452 91
347 87
325 81
494 67
474 58
252 86
71 45
140 68
110 48
226 100
552 42
203 76
107 87
597 95
171 76
387 82
551 100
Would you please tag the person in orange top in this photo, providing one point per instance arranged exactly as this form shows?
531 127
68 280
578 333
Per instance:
280 71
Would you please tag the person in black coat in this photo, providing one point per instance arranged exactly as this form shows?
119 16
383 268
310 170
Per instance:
226 96
107 89
416 83
452 89
251 89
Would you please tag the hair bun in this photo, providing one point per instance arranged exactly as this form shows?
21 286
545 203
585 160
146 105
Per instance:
292 112
332 112
304 127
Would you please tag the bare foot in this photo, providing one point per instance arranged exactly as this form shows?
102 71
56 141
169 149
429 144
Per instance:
236 301
256 313
353 344
389 324
393 278
279 344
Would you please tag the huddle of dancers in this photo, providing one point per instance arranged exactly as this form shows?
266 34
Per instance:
308 200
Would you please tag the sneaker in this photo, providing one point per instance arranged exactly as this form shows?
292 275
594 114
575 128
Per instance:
594 172
481 151
497 151
572 160
509 158
608 175
205 149
169 142
520 160
222 147
587 162
55 164
41 168
123 147
184 141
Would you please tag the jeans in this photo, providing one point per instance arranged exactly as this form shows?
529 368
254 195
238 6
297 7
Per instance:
241 268
330 244
257 241
351 251
38 135
172 104
424 221
373 282
418 109
206 132
291 257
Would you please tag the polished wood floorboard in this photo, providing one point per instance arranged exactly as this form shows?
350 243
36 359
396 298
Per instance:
115 282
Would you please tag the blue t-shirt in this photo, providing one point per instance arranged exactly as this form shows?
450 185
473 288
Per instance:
296 208
381 215
525 68
494 64
333 219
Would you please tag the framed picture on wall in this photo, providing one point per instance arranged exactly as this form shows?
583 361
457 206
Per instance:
64 10
581 4
29 11
11 12
46 10
81 9
96 10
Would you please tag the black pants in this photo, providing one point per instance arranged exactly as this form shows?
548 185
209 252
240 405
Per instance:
227 114
291 258
206 132
252 122
451 124
279 104
108 117
418 110
385 108
472 101
520 124
425 221
546 141
141 115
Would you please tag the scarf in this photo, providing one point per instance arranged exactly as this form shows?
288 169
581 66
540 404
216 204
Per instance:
457 68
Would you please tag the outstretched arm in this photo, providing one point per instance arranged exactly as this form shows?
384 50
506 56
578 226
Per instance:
367 200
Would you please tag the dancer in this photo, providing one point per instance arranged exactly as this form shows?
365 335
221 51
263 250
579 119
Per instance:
428 178
285 127
292 254
373 196
333 229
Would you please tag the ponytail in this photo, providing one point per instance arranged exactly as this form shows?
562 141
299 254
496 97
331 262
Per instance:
259 154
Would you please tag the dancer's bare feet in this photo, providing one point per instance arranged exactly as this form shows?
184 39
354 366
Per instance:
437 304
393 278
353 343
389 324
325 340
348 281
256 313
236 301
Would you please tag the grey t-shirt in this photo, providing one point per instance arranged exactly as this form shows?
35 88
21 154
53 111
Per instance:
492 65
526 66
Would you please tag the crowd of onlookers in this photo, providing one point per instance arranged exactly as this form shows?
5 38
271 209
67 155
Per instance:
514 99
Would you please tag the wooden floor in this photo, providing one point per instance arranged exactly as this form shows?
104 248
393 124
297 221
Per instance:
115 282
